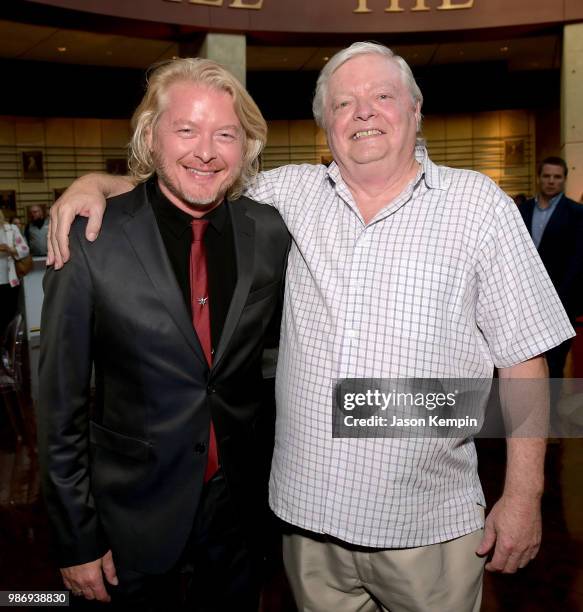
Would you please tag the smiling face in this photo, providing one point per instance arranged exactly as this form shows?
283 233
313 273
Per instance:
197 146
370 115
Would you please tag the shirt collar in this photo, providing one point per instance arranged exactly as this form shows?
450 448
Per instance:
552 202
177 220
428 171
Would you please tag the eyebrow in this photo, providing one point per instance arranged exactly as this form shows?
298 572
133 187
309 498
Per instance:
178 122
372 87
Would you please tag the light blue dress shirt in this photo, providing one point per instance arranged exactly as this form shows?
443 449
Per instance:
541 216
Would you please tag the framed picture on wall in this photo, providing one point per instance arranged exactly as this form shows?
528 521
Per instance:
116 165
32 166
514 152
8 201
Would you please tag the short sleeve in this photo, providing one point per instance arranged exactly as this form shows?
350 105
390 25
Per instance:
518 310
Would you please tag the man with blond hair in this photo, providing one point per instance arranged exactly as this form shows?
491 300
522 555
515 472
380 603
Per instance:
399 269
160 482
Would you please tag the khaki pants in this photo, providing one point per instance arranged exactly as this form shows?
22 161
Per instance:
327 576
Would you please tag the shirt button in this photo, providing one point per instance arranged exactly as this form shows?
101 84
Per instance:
351 333
200 448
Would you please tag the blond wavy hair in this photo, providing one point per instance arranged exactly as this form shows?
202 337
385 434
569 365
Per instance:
205 72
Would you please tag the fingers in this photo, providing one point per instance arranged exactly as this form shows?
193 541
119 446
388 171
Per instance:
94 223
92 588
503 561
50 253
67 582
508 560
86 580
61 236
54 256
508 564
96 590
108 567
488 540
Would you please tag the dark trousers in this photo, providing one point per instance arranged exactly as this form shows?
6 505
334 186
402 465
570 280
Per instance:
8 305
557 357
217 570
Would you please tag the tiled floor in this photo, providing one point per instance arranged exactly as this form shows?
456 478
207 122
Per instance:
553 582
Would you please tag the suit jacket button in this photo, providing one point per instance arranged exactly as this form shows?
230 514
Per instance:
211 389
200 448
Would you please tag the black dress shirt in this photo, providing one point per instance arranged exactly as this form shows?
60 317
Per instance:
175 228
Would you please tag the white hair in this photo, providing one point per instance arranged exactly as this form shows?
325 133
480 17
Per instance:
361 48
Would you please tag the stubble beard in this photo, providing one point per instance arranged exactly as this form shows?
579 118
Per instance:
174 189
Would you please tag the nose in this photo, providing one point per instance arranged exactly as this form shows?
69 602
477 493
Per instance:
364 110
205 148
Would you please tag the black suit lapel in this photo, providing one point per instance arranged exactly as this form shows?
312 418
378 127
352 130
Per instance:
527 211
244 238
142 232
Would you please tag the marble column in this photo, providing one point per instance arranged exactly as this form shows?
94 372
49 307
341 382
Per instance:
227 49
572 108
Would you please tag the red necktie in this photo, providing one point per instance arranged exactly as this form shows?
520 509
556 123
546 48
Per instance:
201 319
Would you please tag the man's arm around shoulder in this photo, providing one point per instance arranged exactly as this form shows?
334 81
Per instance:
85 197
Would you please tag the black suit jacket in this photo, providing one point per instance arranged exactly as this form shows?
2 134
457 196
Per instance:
129 476
561 251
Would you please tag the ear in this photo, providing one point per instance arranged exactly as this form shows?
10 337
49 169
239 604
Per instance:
149 134
418 116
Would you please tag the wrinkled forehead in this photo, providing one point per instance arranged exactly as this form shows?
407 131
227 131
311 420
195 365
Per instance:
367 70
185 92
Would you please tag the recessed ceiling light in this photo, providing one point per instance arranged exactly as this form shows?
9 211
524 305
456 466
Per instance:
504 49
175 57
61 49
325 58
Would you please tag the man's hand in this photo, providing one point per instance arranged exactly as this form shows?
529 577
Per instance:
513 530
87 579
86 197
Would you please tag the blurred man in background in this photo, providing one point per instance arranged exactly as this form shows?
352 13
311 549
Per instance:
36 231
555 223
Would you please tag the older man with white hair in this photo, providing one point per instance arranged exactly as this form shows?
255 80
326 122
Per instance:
399 268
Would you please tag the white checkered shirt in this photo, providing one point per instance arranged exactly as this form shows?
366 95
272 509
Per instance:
443 282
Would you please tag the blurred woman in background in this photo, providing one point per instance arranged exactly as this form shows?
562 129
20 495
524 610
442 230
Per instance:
14 220
12 247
